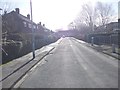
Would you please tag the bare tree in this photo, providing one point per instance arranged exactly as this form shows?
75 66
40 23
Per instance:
86 16
104 12
99 14
71 25
7 5
85 19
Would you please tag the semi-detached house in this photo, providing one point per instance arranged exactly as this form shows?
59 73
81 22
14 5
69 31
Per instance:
19 27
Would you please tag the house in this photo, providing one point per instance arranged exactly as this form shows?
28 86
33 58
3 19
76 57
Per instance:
19 27
108 28
16 22
107 34
17 33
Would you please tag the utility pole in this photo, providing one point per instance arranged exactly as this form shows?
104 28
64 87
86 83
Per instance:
0 49
92 25
33 37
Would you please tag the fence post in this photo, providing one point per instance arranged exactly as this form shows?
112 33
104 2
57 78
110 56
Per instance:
113 48
92 41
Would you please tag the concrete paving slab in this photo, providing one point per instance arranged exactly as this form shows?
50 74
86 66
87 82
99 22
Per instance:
101 48
16 69
12 79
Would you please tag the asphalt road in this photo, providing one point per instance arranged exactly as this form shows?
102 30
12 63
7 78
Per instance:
73 65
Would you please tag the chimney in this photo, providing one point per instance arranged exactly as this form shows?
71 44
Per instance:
118 20
5 12
28 16
43 25
17 10
39 23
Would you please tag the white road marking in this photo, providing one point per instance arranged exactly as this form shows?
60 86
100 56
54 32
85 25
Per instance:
78 57
20 82
71 45
17 85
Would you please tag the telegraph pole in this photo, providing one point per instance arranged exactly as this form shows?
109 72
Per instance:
33 37
0 48
92 19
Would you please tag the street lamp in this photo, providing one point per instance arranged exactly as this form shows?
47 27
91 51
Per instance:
1 10
33 37
92 38
0 44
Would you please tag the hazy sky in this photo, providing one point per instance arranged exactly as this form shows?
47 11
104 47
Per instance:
54 14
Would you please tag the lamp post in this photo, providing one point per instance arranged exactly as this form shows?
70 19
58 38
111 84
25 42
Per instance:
92 19
1 10
0 49
0 45
33 37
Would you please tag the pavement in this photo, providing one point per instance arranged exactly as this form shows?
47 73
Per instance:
15 70
72 64
106 49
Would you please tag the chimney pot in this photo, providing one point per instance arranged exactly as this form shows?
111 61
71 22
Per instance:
43 25
28 16
39 23
5 12
17 10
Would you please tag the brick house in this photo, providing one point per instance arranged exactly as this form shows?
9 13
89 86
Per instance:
19 27
108 28
17 35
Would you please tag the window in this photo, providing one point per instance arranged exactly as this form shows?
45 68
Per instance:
34 27
29 25
25 24
37 27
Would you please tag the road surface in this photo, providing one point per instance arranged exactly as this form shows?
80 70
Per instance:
73 65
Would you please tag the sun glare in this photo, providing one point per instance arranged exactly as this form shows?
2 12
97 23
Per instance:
53 13
56 14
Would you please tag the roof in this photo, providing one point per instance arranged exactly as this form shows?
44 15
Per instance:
26 19
21 16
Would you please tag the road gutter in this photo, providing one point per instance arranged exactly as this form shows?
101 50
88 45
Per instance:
40 63
31 64
11 79
95 48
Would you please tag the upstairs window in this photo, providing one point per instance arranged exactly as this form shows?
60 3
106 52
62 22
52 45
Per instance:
29 25
25 24
34 26
37 27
